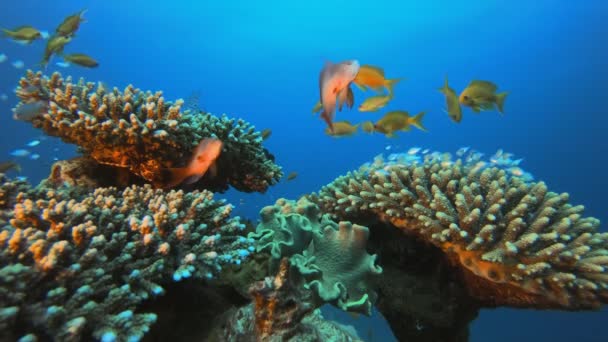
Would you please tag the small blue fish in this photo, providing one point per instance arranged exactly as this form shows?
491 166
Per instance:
20 153
413 150
3 58
35 156
62 64
33 143
461 151
18 64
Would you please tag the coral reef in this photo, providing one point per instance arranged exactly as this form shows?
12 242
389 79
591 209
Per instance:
282 311
514 242
86 173
141 132
76 266
330 256
89 252
419 294
9 190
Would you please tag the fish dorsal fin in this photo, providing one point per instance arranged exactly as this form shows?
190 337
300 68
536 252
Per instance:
483 84
375 68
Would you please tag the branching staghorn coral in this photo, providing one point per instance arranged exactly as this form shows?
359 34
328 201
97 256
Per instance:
73 267
9 189
515 242
141 132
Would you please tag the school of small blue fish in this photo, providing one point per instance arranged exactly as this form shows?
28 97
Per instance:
468 156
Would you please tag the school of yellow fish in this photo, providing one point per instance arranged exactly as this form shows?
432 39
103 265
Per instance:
64 33
335 91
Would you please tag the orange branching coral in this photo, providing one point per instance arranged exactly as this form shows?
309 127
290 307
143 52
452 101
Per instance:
515 242
141 132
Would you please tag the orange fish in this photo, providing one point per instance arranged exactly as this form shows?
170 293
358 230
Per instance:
345 97
334 80
203 158
370 76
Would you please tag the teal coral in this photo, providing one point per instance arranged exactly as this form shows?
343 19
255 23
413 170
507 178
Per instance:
79 266
282 311
515 242
330 256
338 268
141 132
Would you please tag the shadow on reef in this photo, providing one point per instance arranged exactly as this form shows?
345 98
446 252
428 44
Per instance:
87 173
429 303
190 310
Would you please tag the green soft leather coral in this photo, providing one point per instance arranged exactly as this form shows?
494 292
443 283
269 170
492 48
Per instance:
330 257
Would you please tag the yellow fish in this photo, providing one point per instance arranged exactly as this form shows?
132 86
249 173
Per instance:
266 133
81 59
451 99
375 103
25 34
55 45
292 176
481 95
398 120
70 24
370 76
342 129
367 127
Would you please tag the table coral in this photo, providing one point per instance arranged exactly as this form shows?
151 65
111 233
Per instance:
142 132
515 242
79 266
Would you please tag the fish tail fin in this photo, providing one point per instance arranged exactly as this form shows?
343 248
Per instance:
390 84
417 121
176 176
43 64
500 101
445 85
361 87
81 15
317 108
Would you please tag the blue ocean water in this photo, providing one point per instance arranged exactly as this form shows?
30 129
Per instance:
260 61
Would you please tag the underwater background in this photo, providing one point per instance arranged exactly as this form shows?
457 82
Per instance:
260 61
